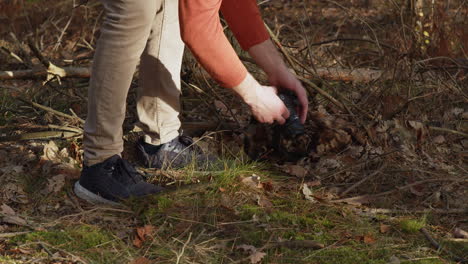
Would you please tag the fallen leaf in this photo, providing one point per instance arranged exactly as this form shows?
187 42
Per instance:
14 220
267 186
249 248
368 239
394 260
137 242
460 233
264 202
256 257
384 228
296 170
439 139
7 210
50 151
307 193
314 183
55 184
252 182
142 233
140 260
145 231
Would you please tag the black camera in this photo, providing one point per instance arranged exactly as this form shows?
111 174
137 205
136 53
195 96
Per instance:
293 126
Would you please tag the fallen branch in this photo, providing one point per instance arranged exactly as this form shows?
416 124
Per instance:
40 135
438 247
361 198
53 111
65 72
441 129
8 235
426 211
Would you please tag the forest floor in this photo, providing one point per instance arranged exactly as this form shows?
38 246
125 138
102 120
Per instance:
379 177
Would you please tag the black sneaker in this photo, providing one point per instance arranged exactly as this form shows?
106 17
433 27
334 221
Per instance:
175 154
111 181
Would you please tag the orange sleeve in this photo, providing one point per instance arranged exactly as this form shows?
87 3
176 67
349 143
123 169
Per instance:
245 21
202 32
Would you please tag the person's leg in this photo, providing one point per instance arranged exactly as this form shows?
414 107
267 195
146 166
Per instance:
158 102
124 34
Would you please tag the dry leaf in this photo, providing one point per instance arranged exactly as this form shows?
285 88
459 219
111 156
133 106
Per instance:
307 193
264 202
140 260
252 182
394 260
50 151
256 257
55 184
142 233
460 233
14 220
439 139
296 170
137 242
384 228
368 239
145 231
249 248
7 210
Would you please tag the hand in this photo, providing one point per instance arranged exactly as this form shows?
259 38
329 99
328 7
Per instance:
284 79
267 107
268 58
264 102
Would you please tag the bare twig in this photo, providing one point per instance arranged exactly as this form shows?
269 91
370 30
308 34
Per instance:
447 130
378 171
53 111
181 253
397 189
8 235
37 53
12 54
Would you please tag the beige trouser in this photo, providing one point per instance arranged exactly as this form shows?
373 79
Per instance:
145 31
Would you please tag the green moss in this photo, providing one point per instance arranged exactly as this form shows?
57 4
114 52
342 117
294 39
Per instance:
412 225
83 240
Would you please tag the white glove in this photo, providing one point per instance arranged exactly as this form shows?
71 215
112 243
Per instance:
264 102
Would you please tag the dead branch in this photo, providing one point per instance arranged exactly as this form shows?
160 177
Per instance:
425 211
438 247
53 111
66 72
397 189
40 135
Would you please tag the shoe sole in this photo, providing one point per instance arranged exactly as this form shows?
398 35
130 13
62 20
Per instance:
90 197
